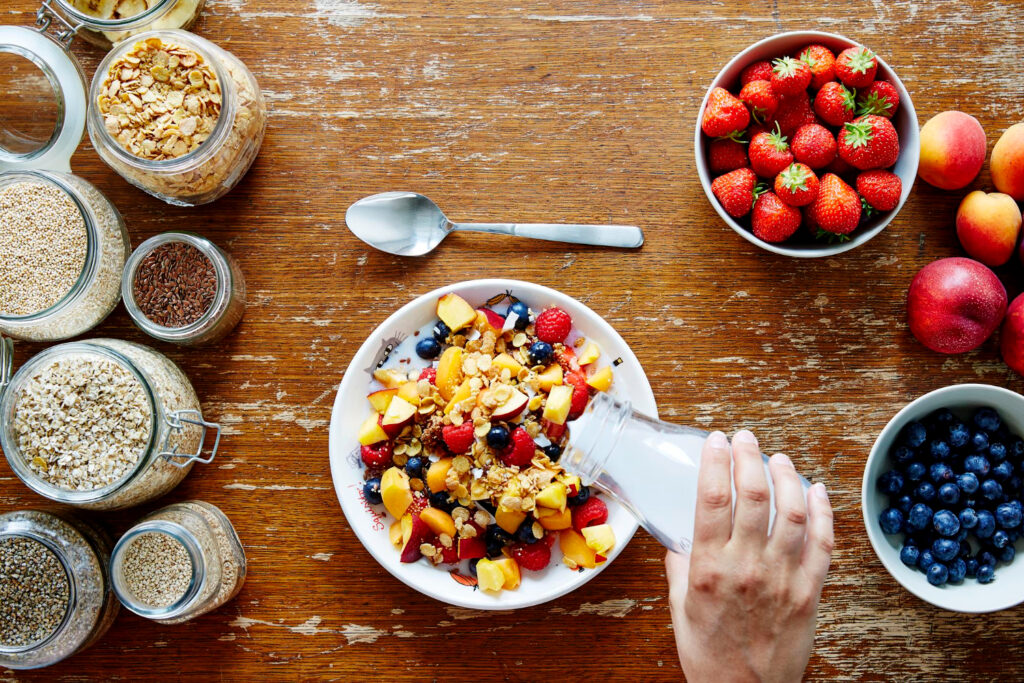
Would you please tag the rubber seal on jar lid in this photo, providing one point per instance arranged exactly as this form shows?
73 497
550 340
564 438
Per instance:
68 83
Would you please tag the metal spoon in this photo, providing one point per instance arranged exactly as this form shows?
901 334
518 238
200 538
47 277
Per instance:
409 224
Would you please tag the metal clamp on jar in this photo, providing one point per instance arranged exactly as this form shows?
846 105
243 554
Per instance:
105 23
103 424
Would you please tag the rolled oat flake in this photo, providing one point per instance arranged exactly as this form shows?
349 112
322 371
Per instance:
175 285
34 592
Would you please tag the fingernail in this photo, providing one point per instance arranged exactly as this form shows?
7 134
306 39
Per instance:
745 436
718 440
819 491
783 459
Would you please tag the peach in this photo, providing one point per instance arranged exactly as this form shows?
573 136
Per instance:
952 150
1007 163
988 225
1012 338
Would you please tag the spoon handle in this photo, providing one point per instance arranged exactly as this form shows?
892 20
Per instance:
626 236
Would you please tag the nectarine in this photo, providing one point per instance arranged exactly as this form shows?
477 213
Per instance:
952 150
1012 340
988 225
1007 163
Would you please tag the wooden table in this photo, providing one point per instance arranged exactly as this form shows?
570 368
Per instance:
546 111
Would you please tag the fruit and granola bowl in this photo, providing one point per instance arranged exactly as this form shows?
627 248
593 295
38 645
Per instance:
807 144
447 434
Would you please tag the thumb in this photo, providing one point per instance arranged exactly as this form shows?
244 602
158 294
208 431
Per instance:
677 570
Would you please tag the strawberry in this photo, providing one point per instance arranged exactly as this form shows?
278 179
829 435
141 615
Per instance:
790 76
856 67
735 191
796 185
880 189
761 99
532 556
814 145
566 357
772 220
377 455
793 112
835 104
836 209
592 512
458 438
822 63
769 153
758 71
553 325
869 142
520 449
724 114
839 167
429 374
580 393
726 155
881 98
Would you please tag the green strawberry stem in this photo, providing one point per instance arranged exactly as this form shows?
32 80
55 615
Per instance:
831 237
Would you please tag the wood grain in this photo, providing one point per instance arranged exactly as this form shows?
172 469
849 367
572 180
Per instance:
549 110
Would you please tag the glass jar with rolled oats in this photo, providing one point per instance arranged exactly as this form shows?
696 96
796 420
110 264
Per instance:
105 23
102 424
176 116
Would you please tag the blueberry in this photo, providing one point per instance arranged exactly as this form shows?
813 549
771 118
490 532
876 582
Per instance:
946 523
498 437
1017 448
1002 471
581 497
428 348
909 555
949 493
942 416
957 570
1000 539
1008 515
1009 552
441 332
919 517
959 435
985 557
968 518
1013 484
987 419
442 501
472 565
940 472
890 483
986 524
903 454
925 492
891 520
414 466
904 504
925 560
523 312
944 549
553 451
986 573
915 471
371 491
979 440
977 465
991 489
939 450
540 352
938 574
524 534
972 567
496 539
968 482
997 451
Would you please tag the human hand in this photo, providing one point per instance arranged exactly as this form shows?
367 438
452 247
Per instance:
744 603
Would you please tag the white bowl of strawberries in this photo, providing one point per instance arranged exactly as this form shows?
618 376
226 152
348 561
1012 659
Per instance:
807 144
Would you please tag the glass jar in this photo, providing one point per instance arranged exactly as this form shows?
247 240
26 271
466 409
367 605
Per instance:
217 164
224 313
153 433
73 555
647 465
186 558
97 290
105 32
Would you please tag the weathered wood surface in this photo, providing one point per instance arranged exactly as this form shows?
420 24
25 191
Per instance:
545 111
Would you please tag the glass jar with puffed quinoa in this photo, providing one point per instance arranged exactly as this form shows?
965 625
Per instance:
102 424
176 116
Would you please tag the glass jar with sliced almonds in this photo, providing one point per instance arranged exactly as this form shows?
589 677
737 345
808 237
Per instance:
176 116
107 22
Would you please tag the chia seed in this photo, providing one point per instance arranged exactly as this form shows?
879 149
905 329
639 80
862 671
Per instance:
34 592
157 569
175 285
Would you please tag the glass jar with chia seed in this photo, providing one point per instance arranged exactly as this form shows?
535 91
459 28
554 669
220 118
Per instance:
176 116
55 593
178 563
102 424
182 288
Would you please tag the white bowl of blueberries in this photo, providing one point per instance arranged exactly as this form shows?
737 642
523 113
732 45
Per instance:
942 497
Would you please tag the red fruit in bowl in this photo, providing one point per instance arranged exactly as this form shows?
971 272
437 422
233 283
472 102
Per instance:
881 98
1011 341
724 114
760 99
796 185
758 71
822 63
837 207
793 112
880 189
769 153
735 191
772 220
835 104
814 145
790 76
955 304
726 155
869 142
856 67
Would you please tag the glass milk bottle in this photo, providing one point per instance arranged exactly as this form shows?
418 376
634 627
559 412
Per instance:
647 465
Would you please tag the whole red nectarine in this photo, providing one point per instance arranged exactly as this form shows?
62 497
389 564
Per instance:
955 304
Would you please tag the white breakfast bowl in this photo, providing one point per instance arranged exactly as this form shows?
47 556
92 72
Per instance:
370 523
970 596
905 122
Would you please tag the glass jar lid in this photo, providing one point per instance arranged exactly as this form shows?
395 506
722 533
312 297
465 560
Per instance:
43 117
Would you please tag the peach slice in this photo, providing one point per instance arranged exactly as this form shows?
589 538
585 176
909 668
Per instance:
437 473
489 576
449 372
552 496
371 432
391 379
381 398
559 402
602 379
551 377
510 569
509 520
589 354
453 310
400 413
504 361
394 489
574 547
516 404
410 393
600 538
439 521
557 520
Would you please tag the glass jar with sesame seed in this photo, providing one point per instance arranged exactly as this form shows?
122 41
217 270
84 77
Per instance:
178 563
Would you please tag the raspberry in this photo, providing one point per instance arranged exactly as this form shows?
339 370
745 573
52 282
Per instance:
520 452
377 455
592 512
532 556
553 325
429 374
580 393
458 439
